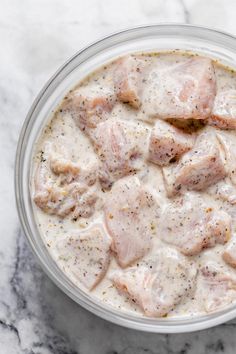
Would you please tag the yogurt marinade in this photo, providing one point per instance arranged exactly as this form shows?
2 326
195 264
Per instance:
122 202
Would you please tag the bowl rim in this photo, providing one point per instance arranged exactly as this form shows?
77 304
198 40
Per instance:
113 316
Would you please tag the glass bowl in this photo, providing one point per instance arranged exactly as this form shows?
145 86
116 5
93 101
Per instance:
163 37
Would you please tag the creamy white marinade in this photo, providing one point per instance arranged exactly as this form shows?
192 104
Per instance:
178 259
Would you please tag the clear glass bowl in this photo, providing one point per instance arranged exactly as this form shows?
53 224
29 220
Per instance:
205 41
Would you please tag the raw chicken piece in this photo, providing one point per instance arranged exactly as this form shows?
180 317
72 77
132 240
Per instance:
224 110
167 143
127 78
159 284
86 254
224 190
70 171
90 106
199 168
227 141
191 225
60 165
73 198
130 216
216 286
121 147
61 187
229 254
182 90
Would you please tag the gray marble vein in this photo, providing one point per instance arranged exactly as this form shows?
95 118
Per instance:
185 11
36 37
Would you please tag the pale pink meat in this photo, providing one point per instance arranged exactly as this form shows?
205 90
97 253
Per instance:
86 254
130 215
121 146
191 225
229 253
224 110
198 169
224 190
181 90
168 143
63 187
158 284
216 286
70 171
128 76
89 107
228 143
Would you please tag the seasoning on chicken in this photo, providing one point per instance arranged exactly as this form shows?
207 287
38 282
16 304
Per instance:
121 146
128 76
224 110
131 214
199 168
229 254
70 171
228 143
216 286
159 284
181 90
89 107
224 190
62 187
191 225
167 143
86 254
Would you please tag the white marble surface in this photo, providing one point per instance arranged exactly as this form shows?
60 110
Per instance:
36 37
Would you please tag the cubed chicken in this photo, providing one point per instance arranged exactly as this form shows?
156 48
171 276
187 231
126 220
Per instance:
130 215
224 190
167 143
128 77
159 284
229 254
216 286
70 171
224 110
191 225
121 146
181 90
61 187
89 107
199 168
228 143
86 254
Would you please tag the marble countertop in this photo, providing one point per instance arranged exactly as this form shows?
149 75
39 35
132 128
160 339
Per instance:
36 37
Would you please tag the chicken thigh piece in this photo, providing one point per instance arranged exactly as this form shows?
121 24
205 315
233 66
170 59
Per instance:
229 253
86 254
224 190
216 286
199 168
228 143
159 284
89 106
131 213
62 187
127 77
181 90
224 110
191 225
121 146
168 143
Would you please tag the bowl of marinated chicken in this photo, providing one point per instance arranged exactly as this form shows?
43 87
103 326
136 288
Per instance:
126 178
